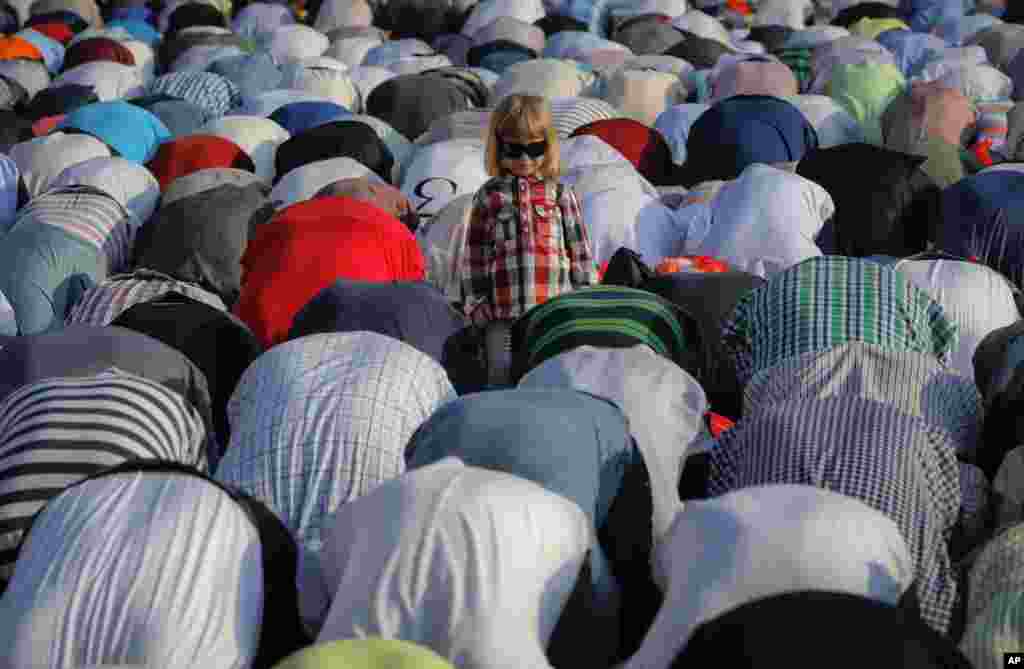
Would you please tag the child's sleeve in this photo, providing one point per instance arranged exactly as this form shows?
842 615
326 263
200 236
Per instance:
476 280
582 268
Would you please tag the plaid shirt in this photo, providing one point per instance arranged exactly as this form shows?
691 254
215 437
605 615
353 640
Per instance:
827 301
526 243
895 463
914 383
322 420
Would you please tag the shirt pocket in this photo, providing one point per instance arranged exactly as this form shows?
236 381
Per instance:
544 229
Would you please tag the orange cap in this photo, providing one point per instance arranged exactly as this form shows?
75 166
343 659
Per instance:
13 47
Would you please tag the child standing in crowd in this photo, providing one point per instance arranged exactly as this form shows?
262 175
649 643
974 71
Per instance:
526 241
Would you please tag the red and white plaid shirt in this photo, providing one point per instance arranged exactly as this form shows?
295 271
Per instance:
526 243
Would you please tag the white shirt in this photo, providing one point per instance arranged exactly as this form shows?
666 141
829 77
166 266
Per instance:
763 541
977 298
259 137
474 564
161 570
766 220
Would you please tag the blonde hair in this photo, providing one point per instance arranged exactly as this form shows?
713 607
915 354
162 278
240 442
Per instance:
523 116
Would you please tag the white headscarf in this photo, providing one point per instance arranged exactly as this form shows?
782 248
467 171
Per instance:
766 220
547 77
664 405
261 17
789 13
642 94
442 239
620 207
352 50
703 25
764 541
259 137
620 211
833 124
438 173
153 569
527 11
109 80
978 298
474 564
294 42
42 159
323 77
304 182
129 183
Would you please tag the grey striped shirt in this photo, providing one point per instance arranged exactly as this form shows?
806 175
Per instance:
87 214
56 432
103 303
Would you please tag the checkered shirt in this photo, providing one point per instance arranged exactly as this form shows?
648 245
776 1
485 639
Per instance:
526 243
915 383
826 301
319 421
895 463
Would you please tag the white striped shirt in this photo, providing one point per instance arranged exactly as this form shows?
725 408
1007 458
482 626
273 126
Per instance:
87 214
103 303
56 432
570 113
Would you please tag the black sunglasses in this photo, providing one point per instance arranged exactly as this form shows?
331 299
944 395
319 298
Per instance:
513 150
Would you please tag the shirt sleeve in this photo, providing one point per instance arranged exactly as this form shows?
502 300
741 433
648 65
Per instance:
582 268
476 278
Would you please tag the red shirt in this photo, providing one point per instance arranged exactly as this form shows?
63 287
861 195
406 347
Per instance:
307 247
